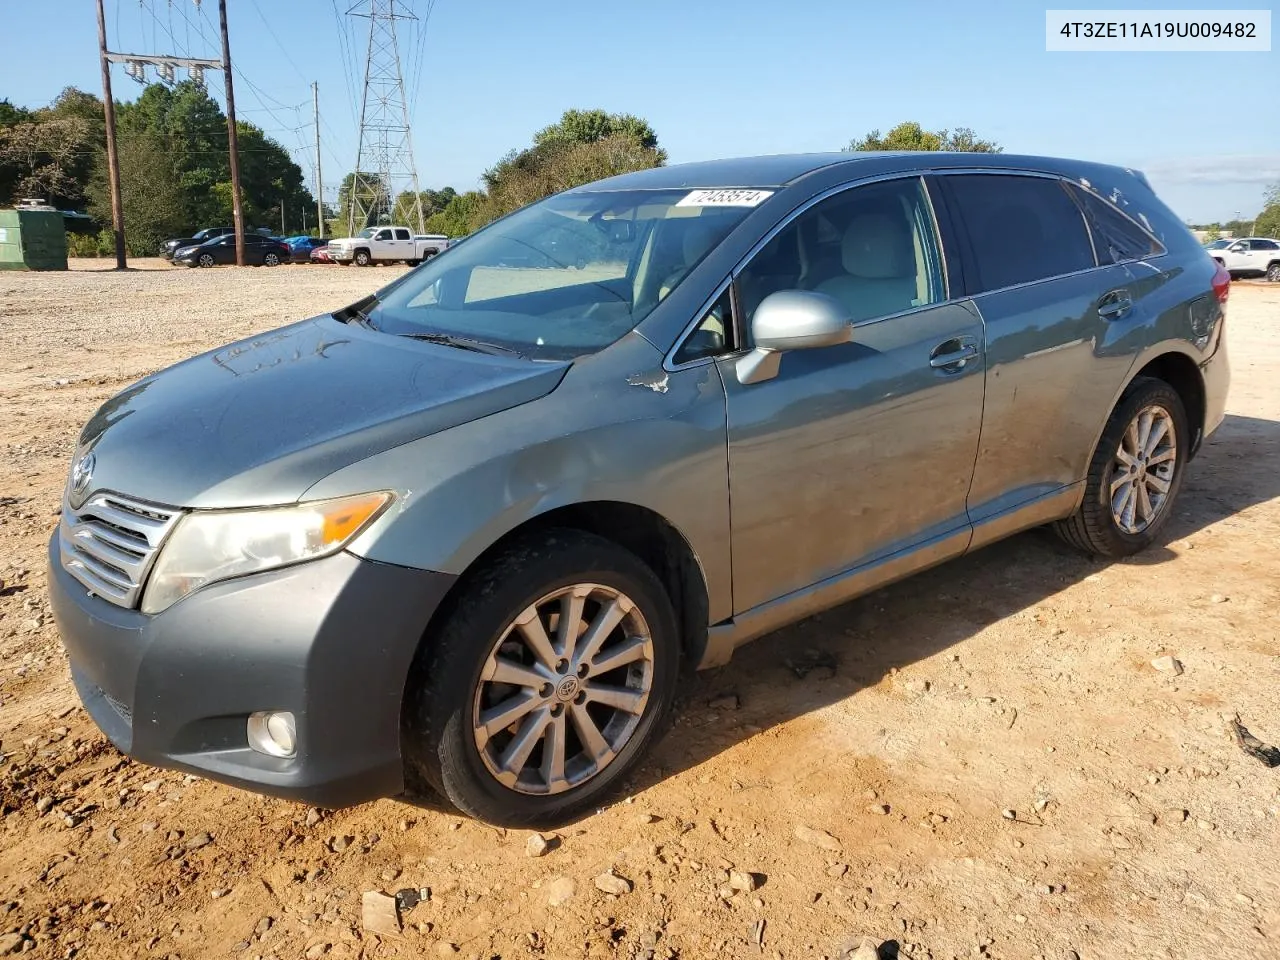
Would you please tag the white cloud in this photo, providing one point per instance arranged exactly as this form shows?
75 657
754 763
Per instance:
1238 169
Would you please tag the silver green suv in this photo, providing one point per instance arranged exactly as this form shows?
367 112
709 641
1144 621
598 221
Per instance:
465 533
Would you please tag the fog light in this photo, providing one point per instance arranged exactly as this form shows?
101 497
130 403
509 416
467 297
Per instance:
273 732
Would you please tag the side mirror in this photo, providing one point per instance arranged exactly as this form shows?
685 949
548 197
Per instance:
792 320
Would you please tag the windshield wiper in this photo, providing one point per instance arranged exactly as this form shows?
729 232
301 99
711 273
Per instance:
466 343
358 311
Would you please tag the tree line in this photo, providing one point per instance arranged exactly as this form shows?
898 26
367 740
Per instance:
175 171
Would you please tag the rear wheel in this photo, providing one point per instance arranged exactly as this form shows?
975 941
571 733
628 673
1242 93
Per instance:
1135 474
271 260
549 677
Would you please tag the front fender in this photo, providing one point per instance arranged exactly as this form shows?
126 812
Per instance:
617 429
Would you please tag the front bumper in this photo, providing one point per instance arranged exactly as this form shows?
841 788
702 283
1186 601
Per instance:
331 640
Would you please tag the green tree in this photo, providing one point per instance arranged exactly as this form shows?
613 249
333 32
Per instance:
583 146
591 126
1213 232
150 193
462 214
42 158
1268 222
909 135
193 129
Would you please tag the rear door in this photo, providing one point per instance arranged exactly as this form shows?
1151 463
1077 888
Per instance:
1056 326
1262 253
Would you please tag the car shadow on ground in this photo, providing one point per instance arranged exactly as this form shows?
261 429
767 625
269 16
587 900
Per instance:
856 645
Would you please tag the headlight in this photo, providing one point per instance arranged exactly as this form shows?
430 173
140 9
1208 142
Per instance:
218 544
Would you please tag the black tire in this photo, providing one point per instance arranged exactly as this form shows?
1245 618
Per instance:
438 741
1093 527
1273 272
206 260
362 258
271 259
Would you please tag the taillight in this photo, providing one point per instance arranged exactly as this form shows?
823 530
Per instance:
1221 283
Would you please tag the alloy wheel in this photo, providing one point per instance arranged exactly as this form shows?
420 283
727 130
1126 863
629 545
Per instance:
1273 273
271 260
564 689
206 260
1143 469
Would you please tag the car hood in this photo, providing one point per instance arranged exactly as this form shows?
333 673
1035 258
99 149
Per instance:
261 420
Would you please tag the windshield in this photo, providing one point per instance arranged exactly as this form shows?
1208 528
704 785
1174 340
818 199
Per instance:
561 278
1218 244
368 232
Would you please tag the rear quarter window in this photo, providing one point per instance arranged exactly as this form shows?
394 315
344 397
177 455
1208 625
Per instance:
1116 237
1020 229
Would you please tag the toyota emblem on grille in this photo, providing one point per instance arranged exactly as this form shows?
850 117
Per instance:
81 474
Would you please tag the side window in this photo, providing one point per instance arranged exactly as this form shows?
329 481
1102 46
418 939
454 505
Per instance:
402 234
382 235
1020 229
873 248
713 336
1115 236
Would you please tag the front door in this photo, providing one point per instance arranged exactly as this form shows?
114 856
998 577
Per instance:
856 452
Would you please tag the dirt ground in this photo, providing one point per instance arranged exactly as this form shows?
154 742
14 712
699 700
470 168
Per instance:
981 761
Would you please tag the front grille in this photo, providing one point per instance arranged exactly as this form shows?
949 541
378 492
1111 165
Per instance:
110 543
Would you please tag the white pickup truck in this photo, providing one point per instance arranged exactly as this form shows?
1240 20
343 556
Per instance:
386 245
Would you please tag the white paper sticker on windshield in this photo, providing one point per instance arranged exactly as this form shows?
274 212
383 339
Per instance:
725 198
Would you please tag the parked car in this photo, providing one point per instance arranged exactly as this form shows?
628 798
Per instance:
386 245
462 536
259 251
169 246
301 248
321 255
1251 257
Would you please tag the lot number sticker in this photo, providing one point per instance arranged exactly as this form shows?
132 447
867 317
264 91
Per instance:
725 198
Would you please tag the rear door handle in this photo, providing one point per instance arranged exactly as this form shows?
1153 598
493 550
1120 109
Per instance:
953 353
1115 305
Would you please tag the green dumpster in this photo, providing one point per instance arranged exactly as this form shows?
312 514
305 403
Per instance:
32 240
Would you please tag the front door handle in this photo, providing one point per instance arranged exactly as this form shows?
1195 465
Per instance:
1115 305
953 354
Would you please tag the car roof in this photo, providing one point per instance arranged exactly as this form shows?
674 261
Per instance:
783 169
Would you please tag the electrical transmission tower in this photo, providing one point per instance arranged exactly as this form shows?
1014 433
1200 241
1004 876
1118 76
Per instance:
384 158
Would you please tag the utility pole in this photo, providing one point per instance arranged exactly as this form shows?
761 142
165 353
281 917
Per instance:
315 106
113 159
282 230
233 140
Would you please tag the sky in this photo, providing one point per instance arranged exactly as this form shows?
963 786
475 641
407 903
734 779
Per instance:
714 79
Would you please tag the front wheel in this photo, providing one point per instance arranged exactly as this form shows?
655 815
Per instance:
550 675
206 260
362 258
1135 474
1273 273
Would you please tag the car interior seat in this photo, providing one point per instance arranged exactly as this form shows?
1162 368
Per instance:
879 266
